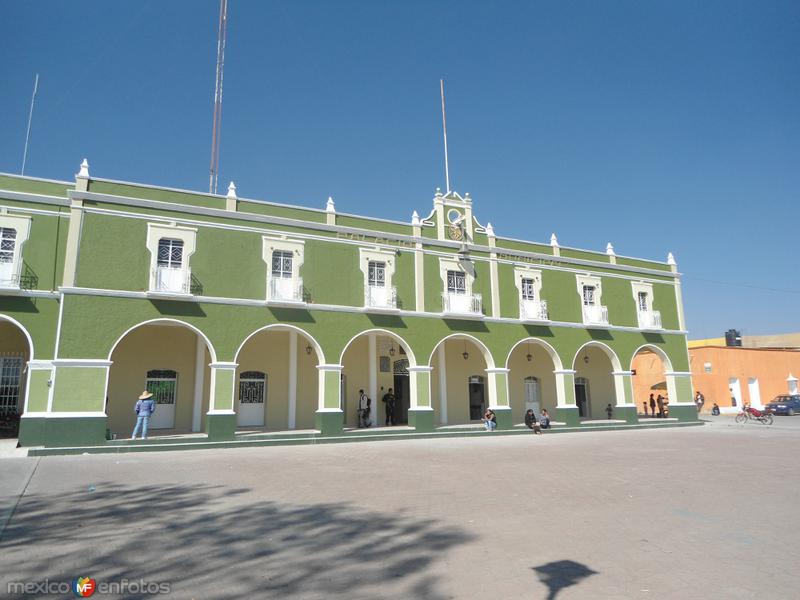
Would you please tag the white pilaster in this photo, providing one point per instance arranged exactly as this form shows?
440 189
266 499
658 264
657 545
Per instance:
442 382
199 380
372 390
292 417
561 386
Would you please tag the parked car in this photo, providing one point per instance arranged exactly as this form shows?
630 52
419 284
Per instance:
785 405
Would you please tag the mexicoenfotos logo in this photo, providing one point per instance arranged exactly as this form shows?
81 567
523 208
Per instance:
83 587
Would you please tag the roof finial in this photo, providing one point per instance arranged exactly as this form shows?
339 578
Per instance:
330 206
554 241
84 172
232 191
671 259
610 249
489 230
415 222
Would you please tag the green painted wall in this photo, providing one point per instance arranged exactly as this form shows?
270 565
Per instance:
43 253
664 301
331 274
113 241
161 195
561 292
78 389
288 212
509 296
39 316
483 285
404 280
219 255
33 186
618 297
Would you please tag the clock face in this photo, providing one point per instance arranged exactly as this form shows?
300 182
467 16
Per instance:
455 232
453 216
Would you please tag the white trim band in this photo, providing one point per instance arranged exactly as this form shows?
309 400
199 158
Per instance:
621 373
420 369
223 365
564 372
40 365
678 374
497 370
82 362
330 367
220 411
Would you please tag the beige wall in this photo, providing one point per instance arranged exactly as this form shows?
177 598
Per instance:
14 343
144 349
541 366
601 381
268 352
458 373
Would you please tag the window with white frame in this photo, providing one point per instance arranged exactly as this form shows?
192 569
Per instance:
528 289
376 273
282 264
163 384
641 298
456 282
170 253
589 295
8 244
14 232
252 387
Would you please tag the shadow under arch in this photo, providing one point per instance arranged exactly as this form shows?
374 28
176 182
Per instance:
557 364
655 350
412 359
283 327
616 365
487 356
166 321
24 331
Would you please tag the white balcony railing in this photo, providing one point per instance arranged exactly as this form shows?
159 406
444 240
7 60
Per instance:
285 289
172 280
462 304
649 319
380 297
9 278
595 314
533 310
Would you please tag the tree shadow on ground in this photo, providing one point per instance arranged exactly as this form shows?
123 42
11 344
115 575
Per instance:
561 574
215 542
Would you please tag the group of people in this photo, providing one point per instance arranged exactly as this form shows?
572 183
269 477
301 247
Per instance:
531 422
364 408
659 403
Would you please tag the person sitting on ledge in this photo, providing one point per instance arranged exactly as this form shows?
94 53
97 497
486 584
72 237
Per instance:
544 419
489 420
531 422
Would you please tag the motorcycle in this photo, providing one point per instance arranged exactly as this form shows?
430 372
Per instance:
752 414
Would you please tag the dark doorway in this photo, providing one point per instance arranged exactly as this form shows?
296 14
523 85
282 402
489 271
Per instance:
402 392
477 402
581 397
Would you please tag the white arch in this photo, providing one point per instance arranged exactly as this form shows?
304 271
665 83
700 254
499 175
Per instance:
24 331
657 351
211 350
487 356
616 365
557 364
412 359
284 327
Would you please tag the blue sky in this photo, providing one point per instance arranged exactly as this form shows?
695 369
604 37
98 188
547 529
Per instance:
658 126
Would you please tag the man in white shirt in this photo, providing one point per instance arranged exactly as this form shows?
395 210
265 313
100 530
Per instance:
363 409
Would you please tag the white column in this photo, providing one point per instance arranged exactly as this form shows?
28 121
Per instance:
442 382
561 386
619 387
292 379
372 390
199 380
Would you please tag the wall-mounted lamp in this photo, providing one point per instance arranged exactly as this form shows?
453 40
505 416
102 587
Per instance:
586 359
529 356
465 354
391 350
308 349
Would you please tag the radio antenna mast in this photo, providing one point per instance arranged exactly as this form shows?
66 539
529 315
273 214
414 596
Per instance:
30 119
444 129
216 133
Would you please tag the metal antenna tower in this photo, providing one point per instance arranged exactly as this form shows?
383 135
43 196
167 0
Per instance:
217 130
30 119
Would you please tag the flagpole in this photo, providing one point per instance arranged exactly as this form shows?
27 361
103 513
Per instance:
30 119
444 129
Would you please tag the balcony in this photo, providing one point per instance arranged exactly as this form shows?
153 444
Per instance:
462 305
595 314
650 319
533 310
171 281
285 290
9 278
380 297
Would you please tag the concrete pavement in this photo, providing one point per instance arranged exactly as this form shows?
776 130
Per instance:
702 512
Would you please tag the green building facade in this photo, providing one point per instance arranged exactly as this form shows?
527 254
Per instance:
251 315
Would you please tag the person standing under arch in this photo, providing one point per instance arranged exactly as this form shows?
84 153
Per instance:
145 407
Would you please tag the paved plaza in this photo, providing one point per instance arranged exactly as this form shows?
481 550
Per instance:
699 512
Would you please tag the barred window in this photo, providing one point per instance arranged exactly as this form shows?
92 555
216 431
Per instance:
10 373
642 296
8 238
588 295
528 292
252 387
456 282
163 384
170 253
282 264
376 275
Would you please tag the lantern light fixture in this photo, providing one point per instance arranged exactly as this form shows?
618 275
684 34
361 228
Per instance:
465 354
308 349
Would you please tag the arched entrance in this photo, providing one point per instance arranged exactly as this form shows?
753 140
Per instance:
650 366
376 361
531 378
15 352
459 382
596 386
277 383
169 358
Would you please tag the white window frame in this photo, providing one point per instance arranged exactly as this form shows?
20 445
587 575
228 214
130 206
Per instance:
368 255
158 231
458 276
170 262
271 244
642 288
448 264
22 226
376 273
281 272
590 281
